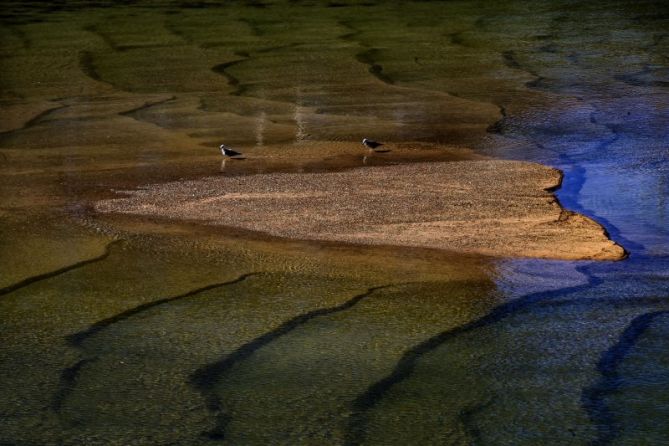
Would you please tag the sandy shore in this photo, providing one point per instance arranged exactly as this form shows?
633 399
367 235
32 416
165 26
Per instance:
491 207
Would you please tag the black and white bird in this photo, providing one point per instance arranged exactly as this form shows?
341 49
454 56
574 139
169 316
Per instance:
228 152
371 144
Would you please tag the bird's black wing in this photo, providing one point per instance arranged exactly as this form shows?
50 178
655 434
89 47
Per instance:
230 152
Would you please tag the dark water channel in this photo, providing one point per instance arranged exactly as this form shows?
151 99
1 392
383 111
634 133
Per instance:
128 331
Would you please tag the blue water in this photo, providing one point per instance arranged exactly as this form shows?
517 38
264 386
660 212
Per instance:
612 143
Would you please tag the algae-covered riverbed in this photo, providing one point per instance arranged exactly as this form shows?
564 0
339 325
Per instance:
125 330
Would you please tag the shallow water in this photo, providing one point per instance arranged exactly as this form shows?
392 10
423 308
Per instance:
122 331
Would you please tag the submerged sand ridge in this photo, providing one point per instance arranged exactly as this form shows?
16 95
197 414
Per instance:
491 207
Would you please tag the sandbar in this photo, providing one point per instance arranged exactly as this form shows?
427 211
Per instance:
490 207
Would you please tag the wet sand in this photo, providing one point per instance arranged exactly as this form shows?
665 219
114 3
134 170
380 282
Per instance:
489 207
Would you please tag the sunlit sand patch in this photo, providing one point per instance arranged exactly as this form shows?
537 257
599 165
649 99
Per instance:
499 208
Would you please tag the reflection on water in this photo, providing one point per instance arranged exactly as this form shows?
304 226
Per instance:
120 331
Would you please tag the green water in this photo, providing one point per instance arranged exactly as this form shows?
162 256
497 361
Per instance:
118 330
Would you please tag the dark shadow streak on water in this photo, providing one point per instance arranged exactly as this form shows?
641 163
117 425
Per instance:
145 46
50 274
87 66
638 79
68 379
271 49
222 69
102 35
32 121
498 127
205 378
233 81
593 397
131 113
466 417
372 396
78 338
538 83
457 39
367 56
70 375
509 58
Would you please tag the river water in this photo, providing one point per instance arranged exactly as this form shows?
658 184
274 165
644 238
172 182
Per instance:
127 331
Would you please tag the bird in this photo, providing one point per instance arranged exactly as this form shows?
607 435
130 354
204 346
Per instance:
371 144
228 152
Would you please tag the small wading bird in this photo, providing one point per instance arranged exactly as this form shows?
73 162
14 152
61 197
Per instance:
373 147
228 152
371 144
